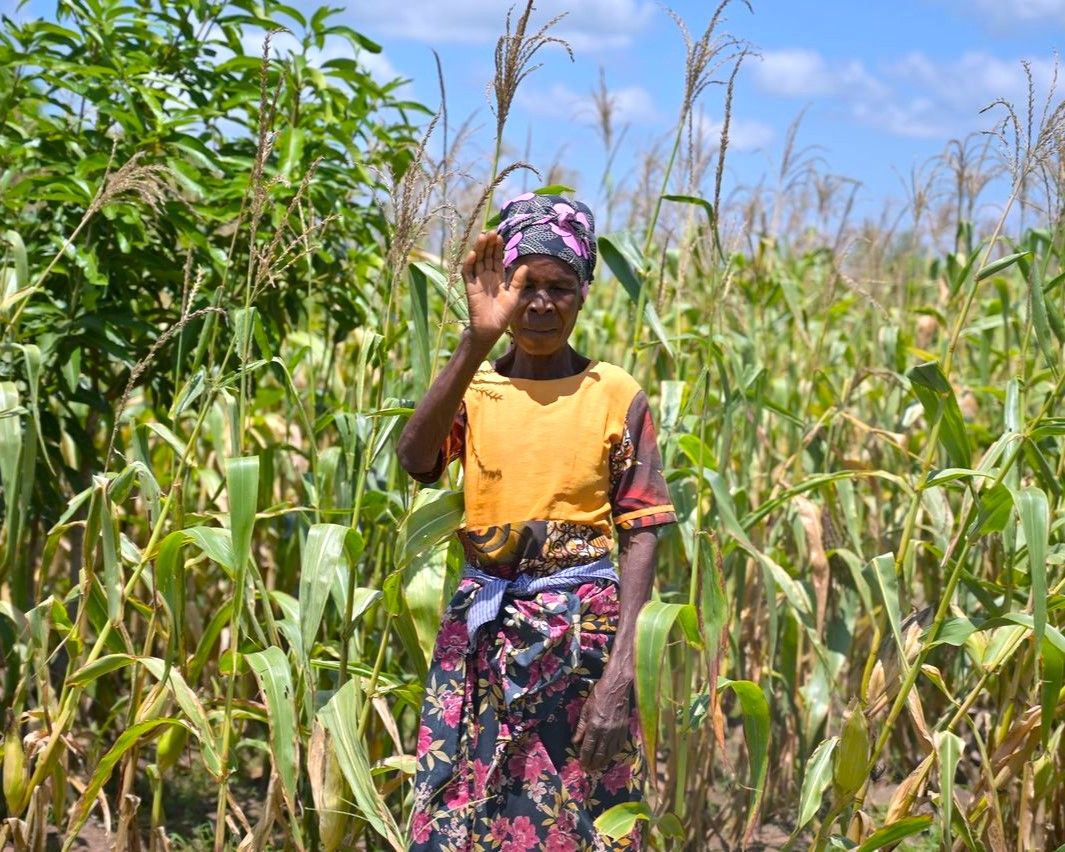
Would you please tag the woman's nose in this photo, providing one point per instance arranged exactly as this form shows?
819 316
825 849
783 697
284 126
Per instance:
540 303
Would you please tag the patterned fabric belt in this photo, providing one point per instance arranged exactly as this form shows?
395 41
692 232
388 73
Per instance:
488 599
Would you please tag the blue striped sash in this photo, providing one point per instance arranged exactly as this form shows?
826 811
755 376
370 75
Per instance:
488 599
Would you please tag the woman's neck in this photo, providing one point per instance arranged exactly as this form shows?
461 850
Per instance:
516 363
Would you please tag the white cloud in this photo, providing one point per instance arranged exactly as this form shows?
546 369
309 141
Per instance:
806 73
1014 13
793 73
632 104
916 96
590 25
743 134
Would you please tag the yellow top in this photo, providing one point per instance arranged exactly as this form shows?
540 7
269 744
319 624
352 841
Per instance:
552 465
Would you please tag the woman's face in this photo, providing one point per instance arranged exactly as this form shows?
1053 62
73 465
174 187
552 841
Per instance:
549 304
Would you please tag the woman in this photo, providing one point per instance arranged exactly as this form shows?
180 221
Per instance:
528 728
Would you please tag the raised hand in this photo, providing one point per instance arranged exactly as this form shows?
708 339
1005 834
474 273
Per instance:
491 299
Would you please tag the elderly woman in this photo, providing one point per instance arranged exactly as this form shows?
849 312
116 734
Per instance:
528 729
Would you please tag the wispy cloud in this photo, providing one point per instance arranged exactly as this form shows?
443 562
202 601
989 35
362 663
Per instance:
743 135
917 95
801 72
632 104
588 26
1011 15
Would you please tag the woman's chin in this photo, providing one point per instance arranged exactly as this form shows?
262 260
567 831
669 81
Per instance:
539 344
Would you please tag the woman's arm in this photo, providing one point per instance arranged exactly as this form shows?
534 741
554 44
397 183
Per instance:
424 433
604 724
492 301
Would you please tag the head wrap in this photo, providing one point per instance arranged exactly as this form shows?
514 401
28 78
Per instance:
549 224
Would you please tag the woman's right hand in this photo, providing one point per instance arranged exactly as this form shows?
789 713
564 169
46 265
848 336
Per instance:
492 300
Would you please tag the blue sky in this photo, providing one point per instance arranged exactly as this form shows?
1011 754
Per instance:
884 84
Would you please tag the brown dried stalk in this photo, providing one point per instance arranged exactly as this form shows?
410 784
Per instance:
514 53
705 56
513 58
723 148
142 365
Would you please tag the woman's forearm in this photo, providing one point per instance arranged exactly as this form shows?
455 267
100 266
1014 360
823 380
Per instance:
424 434
637 564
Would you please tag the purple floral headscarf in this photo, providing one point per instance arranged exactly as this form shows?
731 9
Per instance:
549 224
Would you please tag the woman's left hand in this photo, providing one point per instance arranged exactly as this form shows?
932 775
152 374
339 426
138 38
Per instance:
603 727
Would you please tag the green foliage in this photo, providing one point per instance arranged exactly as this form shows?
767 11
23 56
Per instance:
204 365
170 84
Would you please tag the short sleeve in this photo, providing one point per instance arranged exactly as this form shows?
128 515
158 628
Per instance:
639 496
453 448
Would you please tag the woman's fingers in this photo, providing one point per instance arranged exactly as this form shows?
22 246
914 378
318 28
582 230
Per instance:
582 725
517 282
588 748
469 266
496 243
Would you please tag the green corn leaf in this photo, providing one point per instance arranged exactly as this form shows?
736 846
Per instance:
1022 619
18 255
1041 322
395 601
216 543
623 258
554 189
454 299
671 393
275 681
168 437
424 591
948 752
996 505
953 474
793 591
242 484
1001 264
207 641
10 443
815 780
99 667
618 822
434 515
324 559
892 834
882 569
955 631
1050 687
755 711
340 716
420 346
940 404
1033 509
129 737
192 708
653 627
695 200
112 575
170 583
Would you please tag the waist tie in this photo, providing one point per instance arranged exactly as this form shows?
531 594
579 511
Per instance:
488 599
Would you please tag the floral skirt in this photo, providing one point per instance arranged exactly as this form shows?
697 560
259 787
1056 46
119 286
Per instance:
497 767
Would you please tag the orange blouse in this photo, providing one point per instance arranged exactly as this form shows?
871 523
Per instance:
552 466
